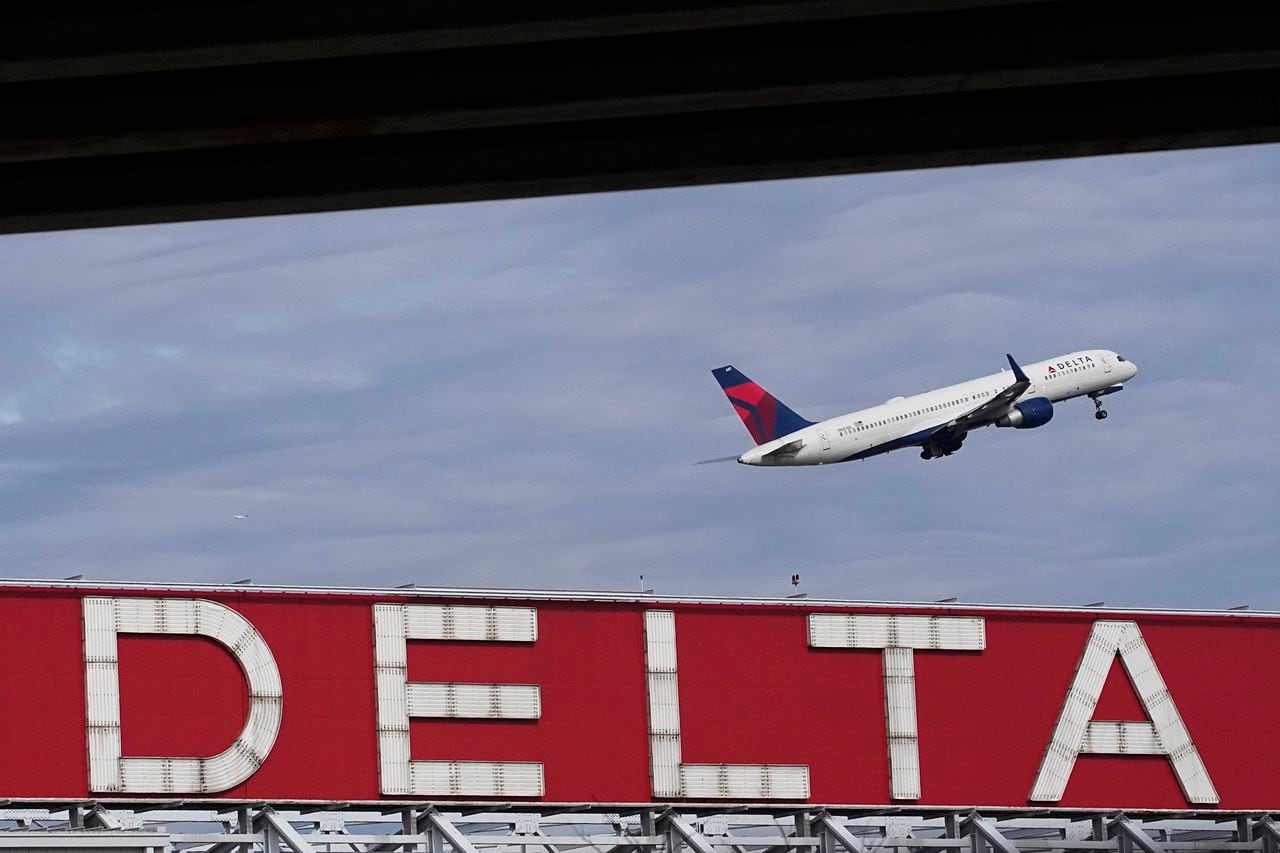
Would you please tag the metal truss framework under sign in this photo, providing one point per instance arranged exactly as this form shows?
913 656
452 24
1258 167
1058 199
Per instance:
762 829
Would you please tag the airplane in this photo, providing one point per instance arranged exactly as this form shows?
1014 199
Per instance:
936 421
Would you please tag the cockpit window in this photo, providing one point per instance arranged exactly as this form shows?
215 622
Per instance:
1119 357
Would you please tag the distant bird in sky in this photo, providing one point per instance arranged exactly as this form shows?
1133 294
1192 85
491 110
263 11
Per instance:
240 517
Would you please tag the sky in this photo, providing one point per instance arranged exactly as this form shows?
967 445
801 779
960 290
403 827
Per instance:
513 393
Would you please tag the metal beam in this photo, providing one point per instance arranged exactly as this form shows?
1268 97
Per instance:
763 828
253 825
274 823
90 841
124 116
244 825
986 830
1136 835
1265 830
451 833
409 826
99 816
696 840
352 842
828 824
420 826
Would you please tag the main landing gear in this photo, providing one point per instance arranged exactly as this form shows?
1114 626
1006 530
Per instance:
1099 412
942 445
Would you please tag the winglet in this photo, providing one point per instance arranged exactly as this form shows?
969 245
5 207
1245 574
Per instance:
1017 371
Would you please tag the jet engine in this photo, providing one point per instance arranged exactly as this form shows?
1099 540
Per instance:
1028 414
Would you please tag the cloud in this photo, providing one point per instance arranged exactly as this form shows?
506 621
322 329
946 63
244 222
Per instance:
511 393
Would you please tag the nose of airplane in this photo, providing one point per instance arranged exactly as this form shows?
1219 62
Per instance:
1127 368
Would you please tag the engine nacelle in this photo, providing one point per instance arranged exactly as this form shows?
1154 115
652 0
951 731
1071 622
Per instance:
1028 414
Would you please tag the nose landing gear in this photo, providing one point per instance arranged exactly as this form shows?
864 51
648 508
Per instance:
1099 412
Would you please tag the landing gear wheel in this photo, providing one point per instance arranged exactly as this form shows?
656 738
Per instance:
1101 414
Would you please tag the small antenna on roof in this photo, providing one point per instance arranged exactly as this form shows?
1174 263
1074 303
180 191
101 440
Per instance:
1096 604
950 600
74 578
242 581
1239 607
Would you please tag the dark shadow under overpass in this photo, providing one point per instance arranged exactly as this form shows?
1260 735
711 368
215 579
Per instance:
237 109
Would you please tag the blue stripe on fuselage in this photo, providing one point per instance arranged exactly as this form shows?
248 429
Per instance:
916 439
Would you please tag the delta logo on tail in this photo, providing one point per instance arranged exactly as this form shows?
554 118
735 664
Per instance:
765 417
937 422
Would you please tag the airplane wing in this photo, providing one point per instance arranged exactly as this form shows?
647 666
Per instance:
997 404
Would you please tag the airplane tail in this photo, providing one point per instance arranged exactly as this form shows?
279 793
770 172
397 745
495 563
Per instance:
765 416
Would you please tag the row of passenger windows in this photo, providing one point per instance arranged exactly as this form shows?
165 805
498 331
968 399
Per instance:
981 395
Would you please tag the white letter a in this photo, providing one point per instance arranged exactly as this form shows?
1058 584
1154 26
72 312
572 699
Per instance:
1077 732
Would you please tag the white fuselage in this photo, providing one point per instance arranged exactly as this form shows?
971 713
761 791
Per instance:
893 424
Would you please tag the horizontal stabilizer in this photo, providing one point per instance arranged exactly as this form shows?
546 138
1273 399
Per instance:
785 449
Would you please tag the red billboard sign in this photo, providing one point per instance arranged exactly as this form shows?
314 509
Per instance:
301 695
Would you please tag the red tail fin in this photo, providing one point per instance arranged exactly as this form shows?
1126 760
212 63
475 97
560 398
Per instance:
765 416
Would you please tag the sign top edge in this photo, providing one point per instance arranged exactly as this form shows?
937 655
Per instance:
602 596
